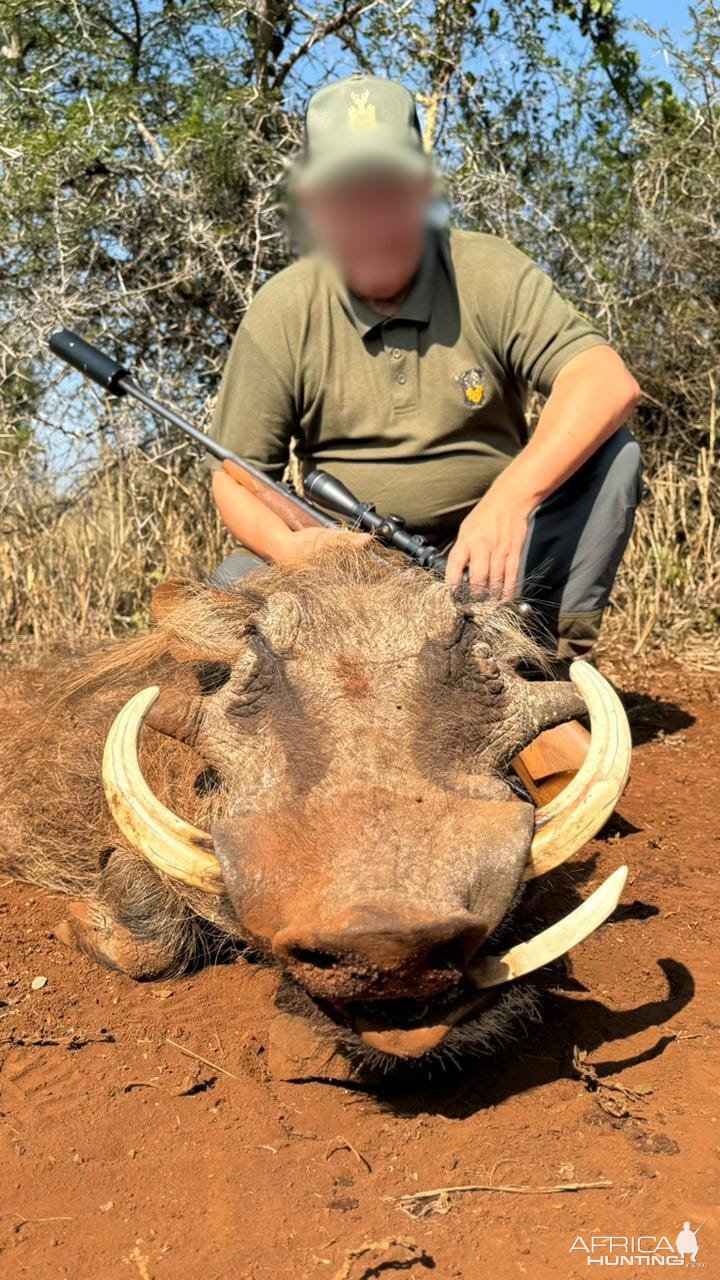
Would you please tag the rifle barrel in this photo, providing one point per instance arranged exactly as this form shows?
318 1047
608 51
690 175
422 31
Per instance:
117 380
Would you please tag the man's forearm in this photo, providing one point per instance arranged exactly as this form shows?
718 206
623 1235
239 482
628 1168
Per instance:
263 532
591 397
248 520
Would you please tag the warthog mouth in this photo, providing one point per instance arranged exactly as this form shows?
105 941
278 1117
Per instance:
411 1028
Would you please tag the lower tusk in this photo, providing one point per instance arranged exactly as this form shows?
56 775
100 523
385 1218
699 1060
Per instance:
173 846
579 811
491 971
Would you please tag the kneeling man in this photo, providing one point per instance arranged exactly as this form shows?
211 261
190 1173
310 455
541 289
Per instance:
398 356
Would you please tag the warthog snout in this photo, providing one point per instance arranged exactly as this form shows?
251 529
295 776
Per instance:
371 952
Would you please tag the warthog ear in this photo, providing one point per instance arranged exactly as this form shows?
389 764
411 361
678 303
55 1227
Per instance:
169 595
201 624
171 598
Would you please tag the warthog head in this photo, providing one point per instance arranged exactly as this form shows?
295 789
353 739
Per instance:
359 720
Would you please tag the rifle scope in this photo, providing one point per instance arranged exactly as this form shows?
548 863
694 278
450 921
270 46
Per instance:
333 495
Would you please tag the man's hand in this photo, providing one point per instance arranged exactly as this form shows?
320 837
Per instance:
490 542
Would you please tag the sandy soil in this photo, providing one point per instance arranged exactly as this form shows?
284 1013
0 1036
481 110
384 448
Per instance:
123 1157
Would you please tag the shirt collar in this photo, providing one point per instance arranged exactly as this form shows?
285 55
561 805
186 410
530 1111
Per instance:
417 307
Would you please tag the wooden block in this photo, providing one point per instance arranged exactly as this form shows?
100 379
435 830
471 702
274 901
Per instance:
548 764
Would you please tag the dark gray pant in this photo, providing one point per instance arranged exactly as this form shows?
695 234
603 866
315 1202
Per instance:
576 540
575 543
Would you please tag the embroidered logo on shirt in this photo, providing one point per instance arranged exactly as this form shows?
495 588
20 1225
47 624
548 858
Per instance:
361 115
472 384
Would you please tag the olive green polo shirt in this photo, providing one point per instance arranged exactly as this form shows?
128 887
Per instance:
417 412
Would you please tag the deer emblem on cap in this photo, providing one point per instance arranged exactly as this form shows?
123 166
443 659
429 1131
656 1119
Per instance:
361 115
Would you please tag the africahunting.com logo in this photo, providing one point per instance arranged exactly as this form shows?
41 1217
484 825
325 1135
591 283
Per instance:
641 1251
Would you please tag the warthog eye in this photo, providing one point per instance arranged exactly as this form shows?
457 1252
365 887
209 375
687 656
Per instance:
208 782
211 676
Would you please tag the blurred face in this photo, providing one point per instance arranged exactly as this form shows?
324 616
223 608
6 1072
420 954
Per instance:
374 227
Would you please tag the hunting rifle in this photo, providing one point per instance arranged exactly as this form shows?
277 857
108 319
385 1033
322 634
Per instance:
548 764
297 512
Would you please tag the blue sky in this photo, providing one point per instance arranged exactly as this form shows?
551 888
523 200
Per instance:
673 14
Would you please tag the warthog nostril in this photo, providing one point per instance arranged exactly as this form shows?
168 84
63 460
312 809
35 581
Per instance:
455 952
312 956
449 955
373 952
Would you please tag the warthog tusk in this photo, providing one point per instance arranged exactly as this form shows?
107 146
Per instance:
578 812
174 846
491 971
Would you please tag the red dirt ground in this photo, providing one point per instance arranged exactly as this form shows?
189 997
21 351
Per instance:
123 1158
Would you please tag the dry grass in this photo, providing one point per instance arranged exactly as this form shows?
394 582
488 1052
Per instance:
667 598
81 568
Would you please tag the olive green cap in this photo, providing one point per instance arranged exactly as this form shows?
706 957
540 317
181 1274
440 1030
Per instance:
361 122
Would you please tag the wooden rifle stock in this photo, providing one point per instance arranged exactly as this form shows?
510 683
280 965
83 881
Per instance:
294 514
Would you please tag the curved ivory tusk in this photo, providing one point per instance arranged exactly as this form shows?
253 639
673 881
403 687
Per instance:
174 846
574 816
491 971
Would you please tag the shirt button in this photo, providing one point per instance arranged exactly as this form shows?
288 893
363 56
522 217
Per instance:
396 353
401 378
